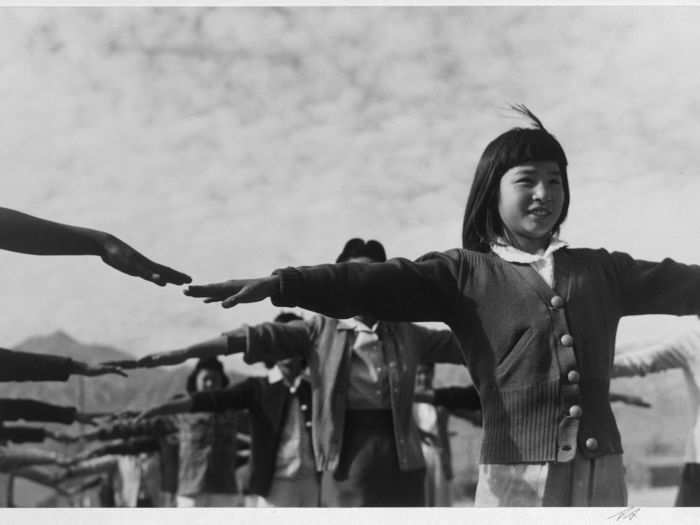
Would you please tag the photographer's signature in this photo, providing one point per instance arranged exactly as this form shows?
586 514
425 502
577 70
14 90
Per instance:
627 514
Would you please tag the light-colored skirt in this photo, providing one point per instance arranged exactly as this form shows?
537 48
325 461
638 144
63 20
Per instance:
583 482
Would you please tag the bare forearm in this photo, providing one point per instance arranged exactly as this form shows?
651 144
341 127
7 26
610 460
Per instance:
12 459
655 358
24 233
210 348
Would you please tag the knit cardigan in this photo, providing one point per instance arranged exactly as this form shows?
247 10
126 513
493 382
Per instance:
540 357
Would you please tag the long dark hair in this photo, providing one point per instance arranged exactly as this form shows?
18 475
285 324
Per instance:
482 223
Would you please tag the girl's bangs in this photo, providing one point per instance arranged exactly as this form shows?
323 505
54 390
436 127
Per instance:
529 145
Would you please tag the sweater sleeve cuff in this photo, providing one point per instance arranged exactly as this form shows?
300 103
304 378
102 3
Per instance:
440 397
203 402
236 340
251 356
64 372
290 285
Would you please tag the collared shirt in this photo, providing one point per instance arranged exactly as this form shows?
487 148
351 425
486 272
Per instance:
543 263
369 382
294 454
327 345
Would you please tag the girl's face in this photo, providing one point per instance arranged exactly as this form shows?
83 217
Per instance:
530 201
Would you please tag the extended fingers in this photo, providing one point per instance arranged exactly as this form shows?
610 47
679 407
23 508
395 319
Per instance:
139 265
234 300
123 364
161 275
211 292
167 275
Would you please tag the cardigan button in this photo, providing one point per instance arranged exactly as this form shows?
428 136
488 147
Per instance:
556 302
567 340
575 411
573 376
591 443
307 424
304 407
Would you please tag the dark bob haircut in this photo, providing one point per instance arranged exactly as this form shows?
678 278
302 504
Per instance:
207 363
371 249
482 224
287 317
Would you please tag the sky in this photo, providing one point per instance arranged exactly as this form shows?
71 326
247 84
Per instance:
228 142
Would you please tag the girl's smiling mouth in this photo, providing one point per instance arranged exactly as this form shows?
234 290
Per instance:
539 212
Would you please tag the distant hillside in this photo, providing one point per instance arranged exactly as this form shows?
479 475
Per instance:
143 388
60 343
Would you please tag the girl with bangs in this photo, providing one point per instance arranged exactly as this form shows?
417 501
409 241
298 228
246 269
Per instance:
536 321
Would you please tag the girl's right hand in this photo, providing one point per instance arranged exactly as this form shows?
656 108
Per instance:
237 291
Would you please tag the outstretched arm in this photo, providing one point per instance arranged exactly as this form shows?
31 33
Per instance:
24 233
397 290
131 427
91 466
177 406
458 398
654 358
27 366
11 459
211 348
628 400
34 410
128 447
439 346
38 475
23 434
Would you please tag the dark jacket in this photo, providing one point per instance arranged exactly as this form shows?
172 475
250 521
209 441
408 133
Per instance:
268 405
28 366
326 345
540 357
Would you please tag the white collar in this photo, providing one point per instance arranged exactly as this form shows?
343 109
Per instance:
275 376
355 324
509 253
